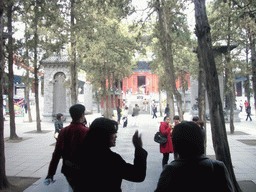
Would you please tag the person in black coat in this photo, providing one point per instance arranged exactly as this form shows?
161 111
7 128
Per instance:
248 111
192 171
167 110
101 169
118 114
154 109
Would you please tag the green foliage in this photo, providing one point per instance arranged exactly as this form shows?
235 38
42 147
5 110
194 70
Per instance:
184 60
107 47
227 20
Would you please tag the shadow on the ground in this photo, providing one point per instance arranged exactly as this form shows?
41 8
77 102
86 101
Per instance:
19 184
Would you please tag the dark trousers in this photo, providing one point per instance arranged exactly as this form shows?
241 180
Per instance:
165 159
248 116
154 115
125 123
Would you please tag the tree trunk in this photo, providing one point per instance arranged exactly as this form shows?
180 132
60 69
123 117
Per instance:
179 102
27 100
109 98
184 101
104 96
166 43
73 68
3 179
201 95
27 82
13 134
231 123
38 121
97 96
201 89
114 92
253 60
247 82
230 80
219 136
170 101
160 104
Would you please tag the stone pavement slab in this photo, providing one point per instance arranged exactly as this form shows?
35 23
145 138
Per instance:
31 157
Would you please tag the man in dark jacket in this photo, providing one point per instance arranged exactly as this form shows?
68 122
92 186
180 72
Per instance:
167 110
73 136
192 171
248 111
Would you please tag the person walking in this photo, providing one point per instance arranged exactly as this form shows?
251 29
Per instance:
145 104
167 147
100 168
241 105
135 114
154 109
246 104
248 111
58 125
192 171
125 117
69 145
167 110
118 114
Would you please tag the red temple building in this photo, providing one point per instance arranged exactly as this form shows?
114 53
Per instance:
141 81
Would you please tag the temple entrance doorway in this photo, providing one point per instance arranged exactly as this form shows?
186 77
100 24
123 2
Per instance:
141 84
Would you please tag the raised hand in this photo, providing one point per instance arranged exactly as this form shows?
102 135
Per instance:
136 139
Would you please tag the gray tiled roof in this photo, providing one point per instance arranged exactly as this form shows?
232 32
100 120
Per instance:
56 59
143 66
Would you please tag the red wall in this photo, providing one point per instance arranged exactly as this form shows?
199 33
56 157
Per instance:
151 82
132 82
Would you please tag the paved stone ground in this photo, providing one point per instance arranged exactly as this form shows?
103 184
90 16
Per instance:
30 157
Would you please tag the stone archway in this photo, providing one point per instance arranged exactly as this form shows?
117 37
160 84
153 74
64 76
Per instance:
59 93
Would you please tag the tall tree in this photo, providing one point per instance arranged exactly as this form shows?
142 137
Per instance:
246 15
172 33
225 30
73 66
166 44
27 79
219 136
10 6
3 179
44 35
106 47
35 22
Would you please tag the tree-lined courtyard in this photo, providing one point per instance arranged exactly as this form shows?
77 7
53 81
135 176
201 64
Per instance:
101 42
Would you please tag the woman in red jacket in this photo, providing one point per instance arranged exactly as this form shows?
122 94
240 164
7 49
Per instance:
166 148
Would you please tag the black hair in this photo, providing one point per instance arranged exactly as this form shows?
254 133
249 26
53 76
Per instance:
188 140
176 117
58 116
166 117
76 111
100 132
196 118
